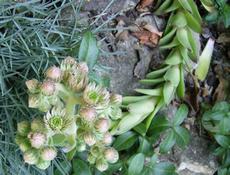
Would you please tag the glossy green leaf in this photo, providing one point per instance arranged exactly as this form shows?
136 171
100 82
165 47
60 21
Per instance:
180 115
151 92
168 37
173 58
185 5
159 124
58 140
195 11
224 141
179 20
163 168
193 23
136 164
163 6
125 141
173 75
171 45
181 86
182 136
88 50
158 72
175 5
80 167
133 99
145 146
168 142
182 36
152 82
168 92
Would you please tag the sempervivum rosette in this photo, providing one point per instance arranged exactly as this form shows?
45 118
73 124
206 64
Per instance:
78 117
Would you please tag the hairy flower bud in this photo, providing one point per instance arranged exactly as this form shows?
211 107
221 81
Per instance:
23 128
116 99
32 85
24 146
37 125
54 73
48 153
37 139
83 67
96 95
88 114
89 139
102 125
42 164
91 159
102 165
48 88
107 138
33 101
111 155
31 157
67 65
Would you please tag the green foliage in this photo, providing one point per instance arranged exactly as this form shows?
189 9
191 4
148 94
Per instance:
220 12
173 132
217 121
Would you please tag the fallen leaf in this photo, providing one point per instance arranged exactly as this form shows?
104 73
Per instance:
143 5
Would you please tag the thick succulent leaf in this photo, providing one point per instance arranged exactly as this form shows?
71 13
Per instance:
143 107
180 115
132 99
195 11
175 5
185 5
166 4
157 73
168 37
152 81
172 44
181 86
182 36
168 92
179 20
151 92
173 58
193 22
173 75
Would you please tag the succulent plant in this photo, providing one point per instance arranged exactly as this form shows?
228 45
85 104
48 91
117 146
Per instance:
77 113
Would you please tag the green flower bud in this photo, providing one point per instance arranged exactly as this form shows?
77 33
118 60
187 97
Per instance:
96 95
116 99
81 147
24 146
23 128
111 155
19 139
48 153
37 139
34 101
89 139
88 114
54 73
91 159
77 79
67 65
37 125
48 88
43 164
102 165
95 150
107 138
102 125
32 85
31 156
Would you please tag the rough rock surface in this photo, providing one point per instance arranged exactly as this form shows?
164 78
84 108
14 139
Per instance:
131 64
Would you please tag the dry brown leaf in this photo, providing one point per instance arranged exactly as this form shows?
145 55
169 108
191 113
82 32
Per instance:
143 5
146 37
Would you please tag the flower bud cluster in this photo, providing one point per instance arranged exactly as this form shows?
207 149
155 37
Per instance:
32 141
79 114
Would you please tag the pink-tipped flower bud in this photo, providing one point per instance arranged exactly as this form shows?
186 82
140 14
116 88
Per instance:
83 67
54 73
30 157
48 153
116 99
23 128
37 125
88 114
37 139
102 165
107 138
32 85
89 139
102 125
111 155
48 88
42 164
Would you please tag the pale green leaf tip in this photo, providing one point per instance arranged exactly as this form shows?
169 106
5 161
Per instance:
204 60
